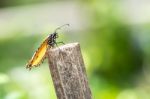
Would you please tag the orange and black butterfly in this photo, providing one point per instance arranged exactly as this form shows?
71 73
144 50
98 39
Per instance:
40 54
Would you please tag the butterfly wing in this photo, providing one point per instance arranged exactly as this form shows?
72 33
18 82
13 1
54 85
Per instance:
39 55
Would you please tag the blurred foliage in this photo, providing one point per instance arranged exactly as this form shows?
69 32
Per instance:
119 53
111 44
14 49
8 3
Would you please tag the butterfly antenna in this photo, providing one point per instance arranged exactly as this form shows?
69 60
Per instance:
60 27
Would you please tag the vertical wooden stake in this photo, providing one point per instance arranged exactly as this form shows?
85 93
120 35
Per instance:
68 72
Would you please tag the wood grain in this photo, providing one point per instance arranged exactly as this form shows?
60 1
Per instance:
68 72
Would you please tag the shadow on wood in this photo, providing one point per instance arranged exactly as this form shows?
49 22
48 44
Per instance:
68 72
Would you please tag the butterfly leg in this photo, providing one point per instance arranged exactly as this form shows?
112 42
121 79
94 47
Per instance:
60 42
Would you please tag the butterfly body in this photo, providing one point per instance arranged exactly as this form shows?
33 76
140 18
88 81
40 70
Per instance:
41 53
39 56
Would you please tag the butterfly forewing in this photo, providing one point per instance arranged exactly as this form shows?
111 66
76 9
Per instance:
39 55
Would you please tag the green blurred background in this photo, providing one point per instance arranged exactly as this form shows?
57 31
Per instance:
114 36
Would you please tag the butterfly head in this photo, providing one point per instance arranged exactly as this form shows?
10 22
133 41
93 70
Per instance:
54 36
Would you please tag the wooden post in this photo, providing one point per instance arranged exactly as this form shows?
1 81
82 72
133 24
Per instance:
68 72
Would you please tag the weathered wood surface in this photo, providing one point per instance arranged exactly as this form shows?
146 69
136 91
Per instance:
68 72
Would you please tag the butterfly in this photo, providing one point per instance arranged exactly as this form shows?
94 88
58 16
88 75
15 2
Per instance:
40 54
